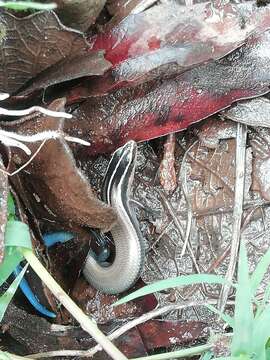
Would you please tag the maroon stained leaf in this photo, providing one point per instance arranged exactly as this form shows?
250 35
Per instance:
160 107
159 334
170 38
30 45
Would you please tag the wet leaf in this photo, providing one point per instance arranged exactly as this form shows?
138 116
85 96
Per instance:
167 176
164 334
30 45
121 9
160 107
254 112
213 172
260 144
79 14
68 69
170 38
3 207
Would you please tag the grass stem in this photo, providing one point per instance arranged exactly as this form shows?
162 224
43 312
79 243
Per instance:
86 323
178 354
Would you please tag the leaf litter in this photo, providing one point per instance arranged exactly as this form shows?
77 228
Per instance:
188 225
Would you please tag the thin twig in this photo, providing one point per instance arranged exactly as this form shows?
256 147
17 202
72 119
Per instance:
85 322
178 225
126 327
240 162
183 181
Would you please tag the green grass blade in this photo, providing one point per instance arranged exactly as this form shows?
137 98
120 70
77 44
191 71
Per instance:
208 355
11 208
243 315
258 274
195 350
240 357
24 5
261 334
228 319
17 236
8 295
232 358
171 283
4 356
12 258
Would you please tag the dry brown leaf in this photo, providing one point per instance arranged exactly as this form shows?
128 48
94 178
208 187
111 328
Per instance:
30 45
55 182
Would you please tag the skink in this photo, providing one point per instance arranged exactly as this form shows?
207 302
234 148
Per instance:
128 262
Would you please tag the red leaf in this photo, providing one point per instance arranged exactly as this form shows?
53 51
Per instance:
160 107
142 45
159 334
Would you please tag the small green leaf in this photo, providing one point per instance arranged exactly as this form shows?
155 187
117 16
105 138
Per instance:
17 236
11 207
8 295
261 334
12 258
243 315
171 283
4 356
208 355
24 5
258 274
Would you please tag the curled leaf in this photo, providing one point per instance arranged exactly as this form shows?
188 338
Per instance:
60 191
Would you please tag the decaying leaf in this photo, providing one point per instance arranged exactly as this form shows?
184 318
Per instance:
254 112
3 207
167 174
54 180
159 107
79 14
169 38
213 172
121 9
159 334
214 130
260 144
87 64
30 45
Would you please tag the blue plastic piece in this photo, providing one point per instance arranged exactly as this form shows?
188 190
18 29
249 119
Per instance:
57 237
49 240
25 288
